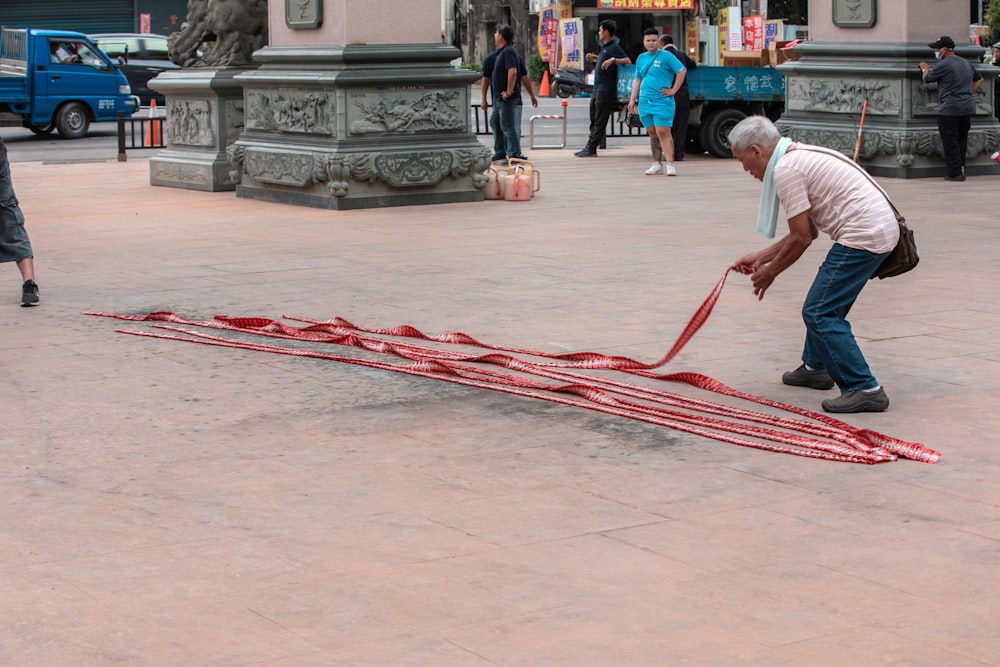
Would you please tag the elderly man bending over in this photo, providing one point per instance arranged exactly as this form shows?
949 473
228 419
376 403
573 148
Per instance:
820 190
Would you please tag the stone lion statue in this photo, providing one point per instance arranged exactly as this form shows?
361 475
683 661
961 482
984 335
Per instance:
220 33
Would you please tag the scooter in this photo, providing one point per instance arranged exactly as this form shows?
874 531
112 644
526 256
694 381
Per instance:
569 81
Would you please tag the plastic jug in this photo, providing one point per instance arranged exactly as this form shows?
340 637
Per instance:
494 184
532 175
517 186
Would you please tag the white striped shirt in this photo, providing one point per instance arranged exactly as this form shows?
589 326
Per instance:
839 199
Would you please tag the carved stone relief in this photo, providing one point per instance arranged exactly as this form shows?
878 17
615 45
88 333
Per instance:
299 111
844 95
401 170
191 122
180 173
904 145
279 168
406 112
235 120
925 100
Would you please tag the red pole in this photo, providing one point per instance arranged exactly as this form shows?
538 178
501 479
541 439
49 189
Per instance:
861 125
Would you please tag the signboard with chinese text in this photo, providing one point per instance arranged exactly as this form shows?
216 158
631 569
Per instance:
645 5
547 23
774 31
753 33
571 43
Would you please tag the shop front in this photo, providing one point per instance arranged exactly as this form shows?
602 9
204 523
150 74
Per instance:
632 18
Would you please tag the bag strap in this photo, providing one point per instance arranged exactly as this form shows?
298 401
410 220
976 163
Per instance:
650 65
841 156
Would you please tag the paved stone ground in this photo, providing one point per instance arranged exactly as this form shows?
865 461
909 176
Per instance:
175 504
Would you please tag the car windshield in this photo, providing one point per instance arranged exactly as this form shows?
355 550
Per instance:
72 52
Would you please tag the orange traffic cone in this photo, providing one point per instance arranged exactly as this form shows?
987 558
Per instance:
152 136
543 90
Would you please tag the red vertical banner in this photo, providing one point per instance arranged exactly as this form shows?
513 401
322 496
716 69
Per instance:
753 33
552 42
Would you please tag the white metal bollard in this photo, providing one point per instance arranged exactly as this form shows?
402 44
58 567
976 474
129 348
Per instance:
548 116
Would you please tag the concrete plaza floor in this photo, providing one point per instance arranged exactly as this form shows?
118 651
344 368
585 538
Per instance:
177 504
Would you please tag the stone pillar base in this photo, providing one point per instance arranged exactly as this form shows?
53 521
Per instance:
204 117
358 126
826 89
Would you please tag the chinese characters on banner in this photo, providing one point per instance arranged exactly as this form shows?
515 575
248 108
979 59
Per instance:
571 51
774 31
753 33
548 26
646 5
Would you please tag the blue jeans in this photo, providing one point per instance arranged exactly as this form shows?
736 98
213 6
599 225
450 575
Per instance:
829 341
510 125
499 141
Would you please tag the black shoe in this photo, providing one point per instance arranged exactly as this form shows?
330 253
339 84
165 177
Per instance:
498 158
518 157
858 401
801 377
586 152
960 177
29 293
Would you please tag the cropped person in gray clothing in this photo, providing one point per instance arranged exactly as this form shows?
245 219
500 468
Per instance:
14 243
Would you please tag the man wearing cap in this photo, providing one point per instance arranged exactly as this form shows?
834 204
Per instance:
957 82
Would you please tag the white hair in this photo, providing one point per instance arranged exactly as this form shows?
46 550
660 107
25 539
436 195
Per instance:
754 131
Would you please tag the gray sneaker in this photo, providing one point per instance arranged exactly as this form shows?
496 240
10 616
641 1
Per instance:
858 401
801 377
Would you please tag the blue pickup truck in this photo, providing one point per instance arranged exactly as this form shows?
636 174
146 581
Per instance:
720 98
58 80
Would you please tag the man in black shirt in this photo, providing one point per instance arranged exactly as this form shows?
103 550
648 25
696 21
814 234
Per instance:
605 96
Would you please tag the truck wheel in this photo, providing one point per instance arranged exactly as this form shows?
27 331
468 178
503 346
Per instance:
564 90
42 130
715 132
72 121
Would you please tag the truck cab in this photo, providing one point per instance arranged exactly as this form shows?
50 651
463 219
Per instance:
59 80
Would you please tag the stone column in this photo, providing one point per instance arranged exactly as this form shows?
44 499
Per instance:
357 105
862 49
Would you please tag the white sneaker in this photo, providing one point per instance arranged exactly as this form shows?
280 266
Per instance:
657 168
671 170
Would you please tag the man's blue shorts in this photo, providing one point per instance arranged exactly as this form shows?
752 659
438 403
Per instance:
657 112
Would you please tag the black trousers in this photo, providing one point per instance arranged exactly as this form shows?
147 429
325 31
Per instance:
955 140
679 130
602 105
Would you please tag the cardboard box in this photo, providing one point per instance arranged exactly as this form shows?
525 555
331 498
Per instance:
779 54
759 58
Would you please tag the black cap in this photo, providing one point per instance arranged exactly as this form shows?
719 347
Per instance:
944 41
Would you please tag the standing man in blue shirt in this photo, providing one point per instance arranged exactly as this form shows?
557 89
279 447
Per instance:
499 140
506 84
605 95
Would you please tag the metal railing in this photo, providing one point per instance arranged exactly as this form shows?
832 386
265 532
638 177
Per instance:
617 127
135 133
